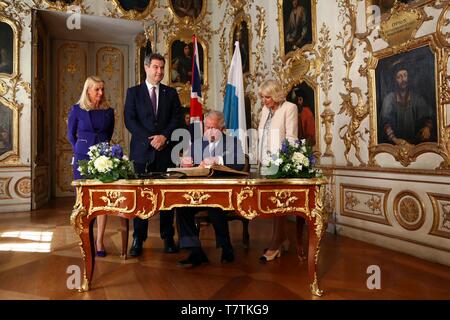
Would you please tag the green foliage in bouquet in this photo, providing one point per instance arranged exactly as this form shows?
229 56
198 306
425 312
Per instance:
106 163
294 160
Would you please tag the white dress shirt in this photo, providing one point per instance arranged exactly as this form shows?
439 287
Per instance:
212 146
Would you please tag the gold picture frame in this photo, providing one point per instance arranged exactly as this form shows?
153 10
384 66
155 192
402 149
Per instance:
173 50
240 21
184 88
188 10
310 92
292 44
9 49
134 14
12 155
60 5
404 150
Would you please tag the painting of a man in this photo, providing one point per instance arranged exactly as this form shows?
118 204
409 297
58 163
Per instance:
187 8
185 64
408 110
297 24
181 61
6 48
241 34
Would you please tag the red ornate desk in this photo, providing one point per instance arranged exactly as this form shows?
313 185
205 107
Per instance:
250 198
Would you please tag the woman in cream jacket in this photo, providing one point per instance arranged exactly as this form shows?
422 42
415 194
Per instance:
279 121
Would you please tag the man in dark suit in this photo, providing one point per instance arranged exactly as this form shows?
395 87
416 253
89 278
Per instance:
215 148
152 113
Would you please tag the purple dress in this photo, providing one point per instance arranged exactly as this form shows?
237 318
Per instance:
87 128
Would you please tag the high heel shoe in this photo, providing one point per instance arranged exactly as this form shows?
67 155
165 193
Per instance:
284 246
266 258
101 253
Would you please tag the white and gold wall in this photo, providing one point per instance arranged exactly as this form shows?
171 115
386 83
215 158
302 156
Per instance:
391 194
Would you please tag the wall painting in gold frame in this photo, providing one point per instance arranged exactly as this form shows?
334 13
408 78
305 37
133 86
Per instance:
9 132
180 50
188 10
133 11
10 33
396 84
297 25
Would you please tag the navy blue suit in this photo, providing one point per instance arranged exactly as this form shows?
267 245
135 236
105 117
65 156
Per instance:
87 128
231 150
142 123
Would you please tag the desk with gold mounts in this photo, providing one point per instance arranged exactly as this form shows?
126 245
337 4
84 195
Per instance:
249 197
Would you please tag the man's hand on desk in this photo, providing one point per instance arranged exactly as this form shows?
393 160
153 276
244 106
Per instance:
186 162
209 161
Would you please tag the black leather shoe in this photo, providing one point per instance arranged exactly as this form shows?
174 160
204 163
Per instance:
227 254
136 248
195 259
170 246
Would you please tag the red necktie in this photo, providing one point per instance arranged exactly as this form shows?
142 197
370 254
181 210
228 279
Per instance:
153 99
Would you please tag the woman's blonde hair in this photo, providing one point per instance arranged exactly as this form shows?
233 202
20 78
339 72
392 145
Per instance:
84 101
272 89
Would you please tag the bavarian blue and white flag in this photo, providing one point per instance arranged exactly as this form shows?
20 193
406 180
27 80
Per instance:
234 104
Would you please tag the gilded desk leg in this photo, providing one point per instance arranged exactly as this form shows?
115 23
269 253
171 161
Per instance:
300 252
124 232
313 254
88 253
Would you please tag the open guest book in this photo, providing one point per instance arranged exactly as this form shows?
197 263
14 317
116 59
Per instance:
208 171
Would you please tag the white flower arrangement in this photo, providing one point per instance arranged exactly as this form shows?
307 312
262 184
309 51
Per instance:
294 160
106 163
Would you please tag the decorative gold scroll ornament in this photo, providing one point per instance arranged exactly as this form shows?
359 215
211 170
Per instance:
326 82
320 222
359 111
401 25
153 198
196 197
443 23
241 197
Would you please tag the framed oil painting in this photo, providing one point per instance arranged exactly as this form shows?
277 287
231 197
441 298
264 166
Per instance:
241 33
134 9
296 25
302 95
406 97
6 129
192 9
181 51
8 48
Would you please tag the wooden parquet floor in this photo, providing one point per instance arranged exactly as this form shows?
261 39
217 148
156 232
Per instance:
37 248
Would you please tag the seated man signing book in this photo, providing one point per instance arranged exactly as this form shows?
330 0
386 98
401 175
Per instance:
215 148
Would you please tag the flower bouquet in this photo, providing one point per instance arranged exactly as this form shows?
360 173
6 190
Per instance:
106 163
294 160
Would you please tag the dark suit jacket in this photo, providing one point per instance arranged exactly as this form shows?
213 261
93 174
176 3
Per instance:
229 147
142 123
80 129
